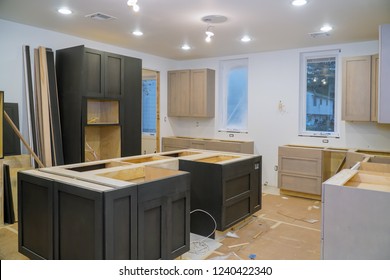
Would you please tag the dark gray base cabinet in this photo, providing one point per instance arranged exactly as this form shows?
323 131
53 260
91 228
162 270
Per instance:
229 192
62 220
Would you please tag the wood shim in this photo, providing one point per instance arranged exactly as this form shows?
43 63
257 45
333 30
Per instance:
238 245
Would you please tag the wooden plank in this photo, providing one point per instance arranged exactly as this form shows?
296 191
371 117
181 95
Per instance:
300 194
46 139
342 177
38 104
7 118
30 99
54 112
9 214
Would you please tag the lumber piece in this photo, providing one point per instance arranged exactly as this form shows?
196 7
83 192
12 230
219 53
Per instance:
46 134
54 112
10 122
30 104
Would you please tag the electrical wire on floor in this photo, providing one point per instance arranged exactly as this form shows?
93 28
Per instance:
200 247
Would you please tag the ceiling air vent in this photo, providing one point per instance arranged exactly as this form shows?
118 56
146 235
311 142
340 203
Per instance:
100 16
319 34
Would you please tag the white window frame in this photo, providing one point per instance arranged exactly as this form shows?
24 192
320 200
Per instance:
225 66
303 92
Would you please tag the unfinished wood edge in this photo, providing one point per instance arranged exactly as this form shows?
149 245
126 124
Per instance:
300 194
342 177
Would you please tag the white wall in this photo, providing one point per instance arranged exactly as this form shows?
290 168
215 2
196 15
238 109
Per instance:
273 77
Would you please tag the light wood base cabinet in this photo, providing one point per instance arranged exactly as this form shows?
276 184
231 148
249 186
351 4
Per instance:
355 222
178 143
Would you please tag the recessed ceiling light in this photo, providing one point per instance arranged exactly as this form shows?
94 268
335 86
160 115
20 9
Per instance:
185 47
138 33
299 2
64 11
326 28
246 38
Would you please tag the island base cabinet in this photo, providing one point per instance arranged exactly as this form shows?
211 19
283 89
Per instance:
64 218
355 210
229 192
164 218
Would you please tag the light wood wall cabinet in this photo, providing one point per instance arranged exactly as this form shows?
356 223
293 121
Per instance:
360 88
191 93
384 81
178 143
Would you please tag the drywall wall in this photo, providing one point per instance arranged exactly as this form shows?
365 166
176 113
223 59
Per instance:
273 78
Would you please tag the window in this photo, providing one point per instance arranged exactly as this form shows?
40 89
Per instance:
234 95
149 88
318 84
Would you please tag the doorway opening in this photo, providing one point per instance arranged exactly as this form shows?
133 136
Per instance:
150 111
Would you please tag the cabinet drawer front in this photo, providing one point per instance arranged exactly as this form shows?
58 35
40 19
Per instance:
224 146
303 166
237 186
178 142
304 184
294 151
236 212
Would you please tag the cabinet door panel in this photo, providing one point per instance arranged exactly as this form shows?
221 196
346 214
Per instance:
35 202
357 88
151 229
121 224
94 73
79 236
179 93
114 75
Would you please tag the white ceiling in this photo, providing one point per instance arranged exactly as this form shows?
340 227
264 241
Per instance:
167 24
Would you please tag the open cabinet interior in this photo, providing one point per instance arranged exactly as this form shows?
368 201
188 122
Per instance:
102 142
102 111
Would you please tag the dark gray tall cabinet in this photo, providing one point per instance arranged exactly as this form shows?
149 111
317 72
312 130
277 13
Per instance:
100 104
